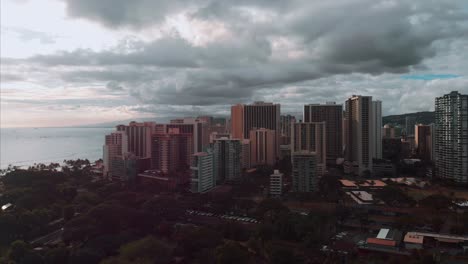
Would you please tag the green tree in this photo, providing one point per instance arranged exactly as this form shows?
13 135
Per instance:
232 253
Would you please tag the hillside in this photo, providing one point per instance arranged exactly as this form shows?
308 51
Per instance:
421 117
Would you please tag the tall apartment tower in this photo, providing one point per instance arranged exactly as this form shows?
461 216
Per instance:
262 147
245 154
227 155
257 115
276 183
116 145
423 141
377 129
332 114
171 151
139 138
410 122
203 173
451 137
304 171
360 133
311 137
199 129
285 128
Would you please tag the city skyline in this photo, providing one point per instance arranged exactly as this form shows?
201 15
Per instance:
68 63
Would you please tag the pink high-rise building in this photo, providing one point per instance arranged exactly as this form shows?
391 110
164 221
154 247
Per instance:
262 147
171 151
139 137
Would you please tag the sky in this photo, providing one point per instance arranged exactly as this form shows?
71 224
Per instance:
75 62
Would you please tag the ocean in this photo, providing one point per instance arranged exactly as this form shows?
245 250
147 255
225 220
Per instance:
26 146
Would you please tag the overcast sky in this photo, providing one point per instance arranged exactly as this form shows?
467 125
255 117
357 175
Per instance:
70 62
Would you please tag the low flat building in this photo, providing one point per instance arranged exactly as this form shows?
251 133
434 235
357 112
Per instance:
413 241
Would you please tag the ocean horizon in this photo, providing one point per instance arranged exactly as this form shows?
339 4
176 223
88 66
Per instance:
26 146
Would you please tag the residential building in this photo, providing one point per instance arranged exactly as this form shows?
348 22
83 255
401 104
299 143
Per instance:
285 128
410 122
227 155
423 141
304 171
332 114
276 183
245 154
116 145
171 151
203 177
254 116
139 137
360 136
125 168
376 129
311 137
451 137
262 147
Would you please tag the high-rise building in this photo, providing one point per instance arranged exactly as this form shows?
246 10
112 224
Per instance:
203 177
257 115
285 128
227 155
126 167
199 130
388 131
332 114
139 137
262 147
360 137
451 137
311 137
245 154
304 171
410 122
276 183
377 129
171 151
116 145
423 141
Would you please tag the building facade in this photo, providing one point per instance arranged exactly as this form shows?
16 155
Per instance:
285 128
377 129
262 147
254 116
304 171
276 183
332 114
227 156
116 145
360 136
139 137
423 141
171 151
203 177
311 137
451 137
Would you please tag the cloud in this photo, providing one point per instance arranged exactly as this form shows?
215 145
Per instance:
291 52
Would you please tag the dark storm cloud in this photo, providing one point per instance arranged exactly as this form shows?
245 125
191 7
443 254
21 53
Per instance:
328 38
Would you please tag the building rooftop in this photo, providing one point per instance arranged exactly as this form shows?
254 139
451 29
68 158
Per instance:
414 238
348 183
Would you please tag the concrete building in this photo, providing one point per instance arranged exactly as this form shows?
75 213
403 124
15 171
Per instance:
125 168
245 154
203 177
311 137
360 133
285 128
388 131
423 141
304 171
199 130
276 183
227 155
116 145
451 137
376 129
332 114
171 151
410 122
257 115
262 147
139 137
